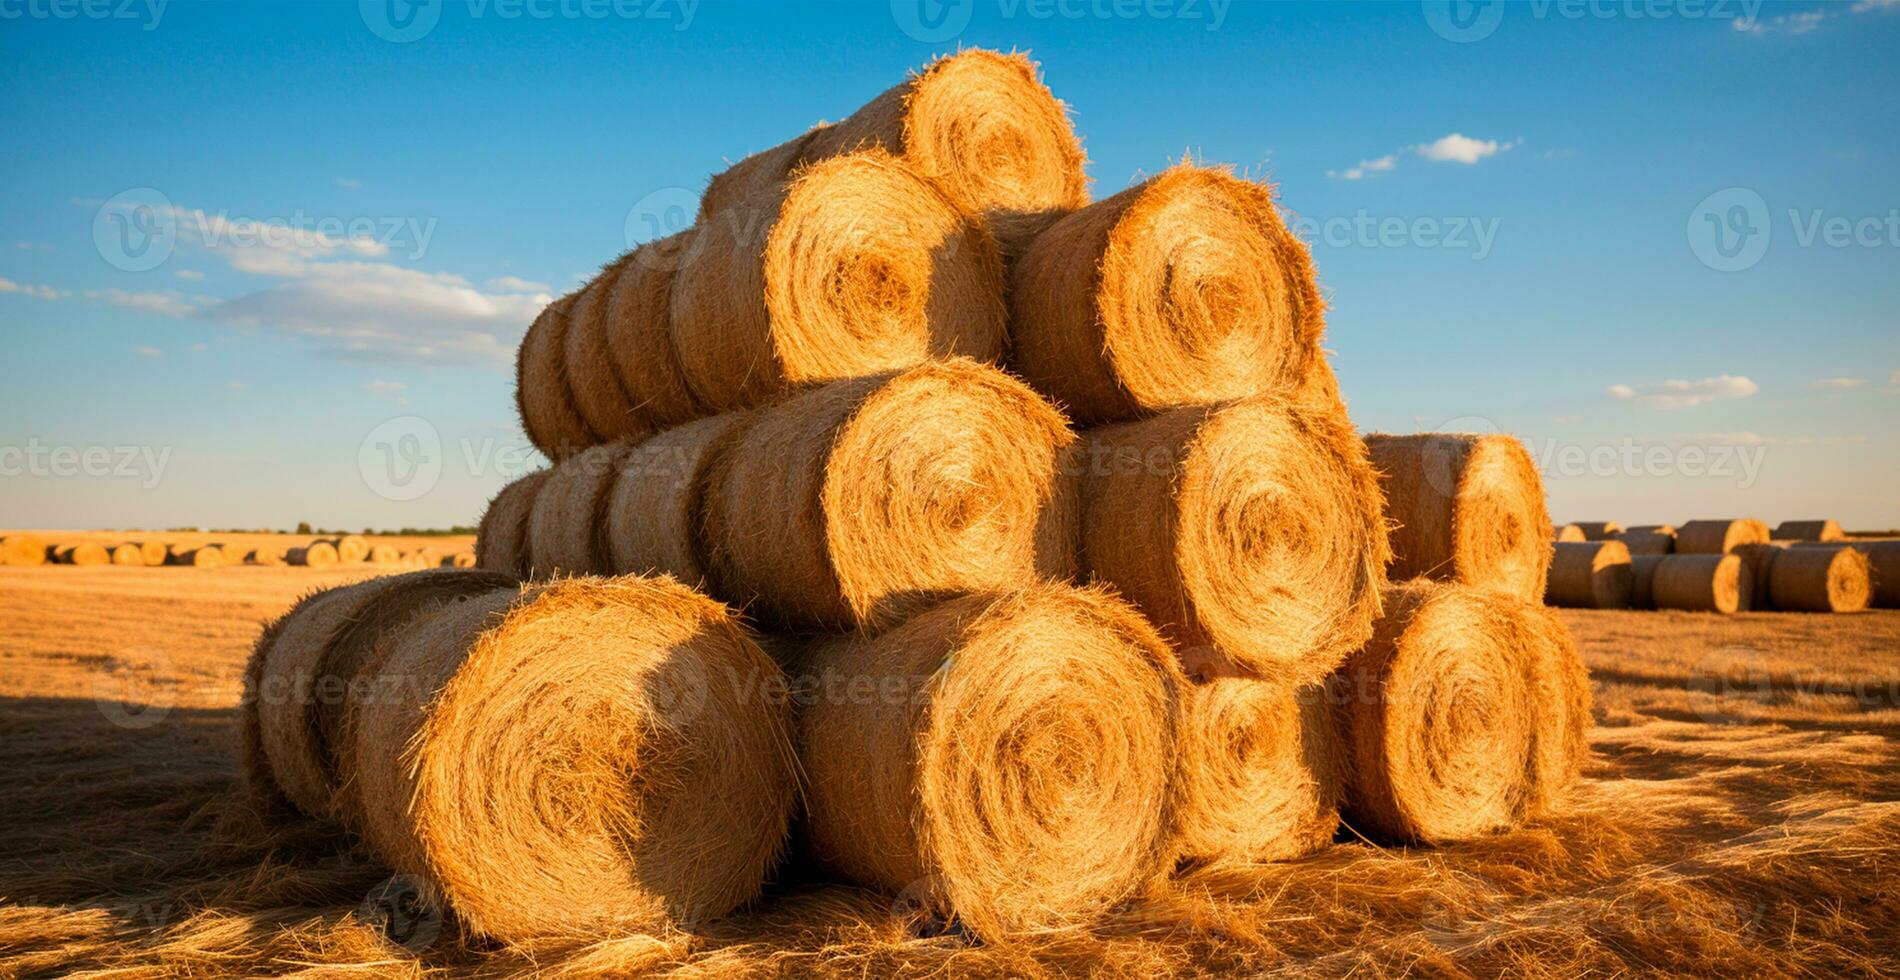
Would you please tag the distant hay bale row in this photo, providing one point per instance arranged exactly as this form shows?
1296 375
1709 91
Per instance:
855 503
1599 530
23 550
1467 713
1464 508
1718 537
1590 575
1809 531
467 705
1695 583
1567 533
1813 576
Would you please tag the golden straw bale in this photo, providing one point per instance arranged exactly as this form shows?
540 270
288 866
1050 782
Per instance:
84 553
316 554
1810 531
566 532
1757 559
23 550
1257 778
862 501
1699 583
1560 703
1253 527
639 335
459 559
266 554
1599 530
981 124
1658 539
542 393
587 357
655 508
858 265
128 554
1464 508
1182 290
203 556
589 758
1001 759
1436 718
350 548
501 541
1883 562
151 553
1568 532
384 554
1590 575
1820 578
1718 537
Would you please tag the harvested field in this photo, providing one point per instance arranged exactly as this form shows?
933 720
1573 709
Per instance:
1740 812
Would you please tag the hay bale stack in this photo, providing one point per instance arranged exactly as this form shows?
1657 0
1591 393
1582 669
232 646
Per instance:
861 502
1252 527
1718 537
83 553
1560 706
1183 290
316 554
1655 539
1464 508
1257 778
1011 767
1568 532
22 550
1809 531
269 554
584 758
1698 583
655 510
1590 575
566 532
128 554
587 356
501 541
1599 530
981 124
203 556
857 266
1757 559
1436 717
1820 579
543 395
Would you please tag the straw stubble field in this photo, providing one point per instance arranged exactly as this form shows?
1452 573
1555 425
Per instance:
1740 811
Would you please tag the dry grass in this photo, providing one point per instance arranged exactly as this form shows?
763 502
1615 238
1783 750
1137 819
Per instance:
1741 813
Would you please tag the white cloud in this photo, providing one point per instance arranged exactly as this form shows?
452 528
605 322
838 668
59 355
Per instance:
1808 21
516 284
163 302
1459 148
28 289
348 183
148 351
1837 383
1364 167
190 275
381 387
1674 394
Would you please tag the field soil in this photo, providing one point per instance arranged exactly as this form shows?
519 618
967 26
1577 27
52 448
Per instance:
1740 814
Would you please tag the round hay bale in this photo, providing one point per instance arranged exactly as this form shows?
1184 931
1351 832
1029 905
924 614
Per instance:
1716 537
588 359
863 501
501 541
981 124
128 554
1700 583
1257 778
204 556
1599 530
542 394
1185 289
1561 706
23 550
1820 579
153 553
1810 531
1252 527
316 554
655 511
1883 561
1757 559
384 554
591 757
859 265
567 526
1435 717
1568 532
269 554
1464 508
350 548
1659 540
639 335
1590 575
1005 759
459 559
321 656
83 553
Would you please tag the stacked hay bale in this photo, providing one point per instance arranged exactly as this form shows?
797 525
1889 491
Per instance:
1649 539
1827 530
1590 575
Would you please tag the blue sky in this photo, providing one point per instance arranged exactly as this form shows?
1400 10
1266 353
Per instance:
1658 242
